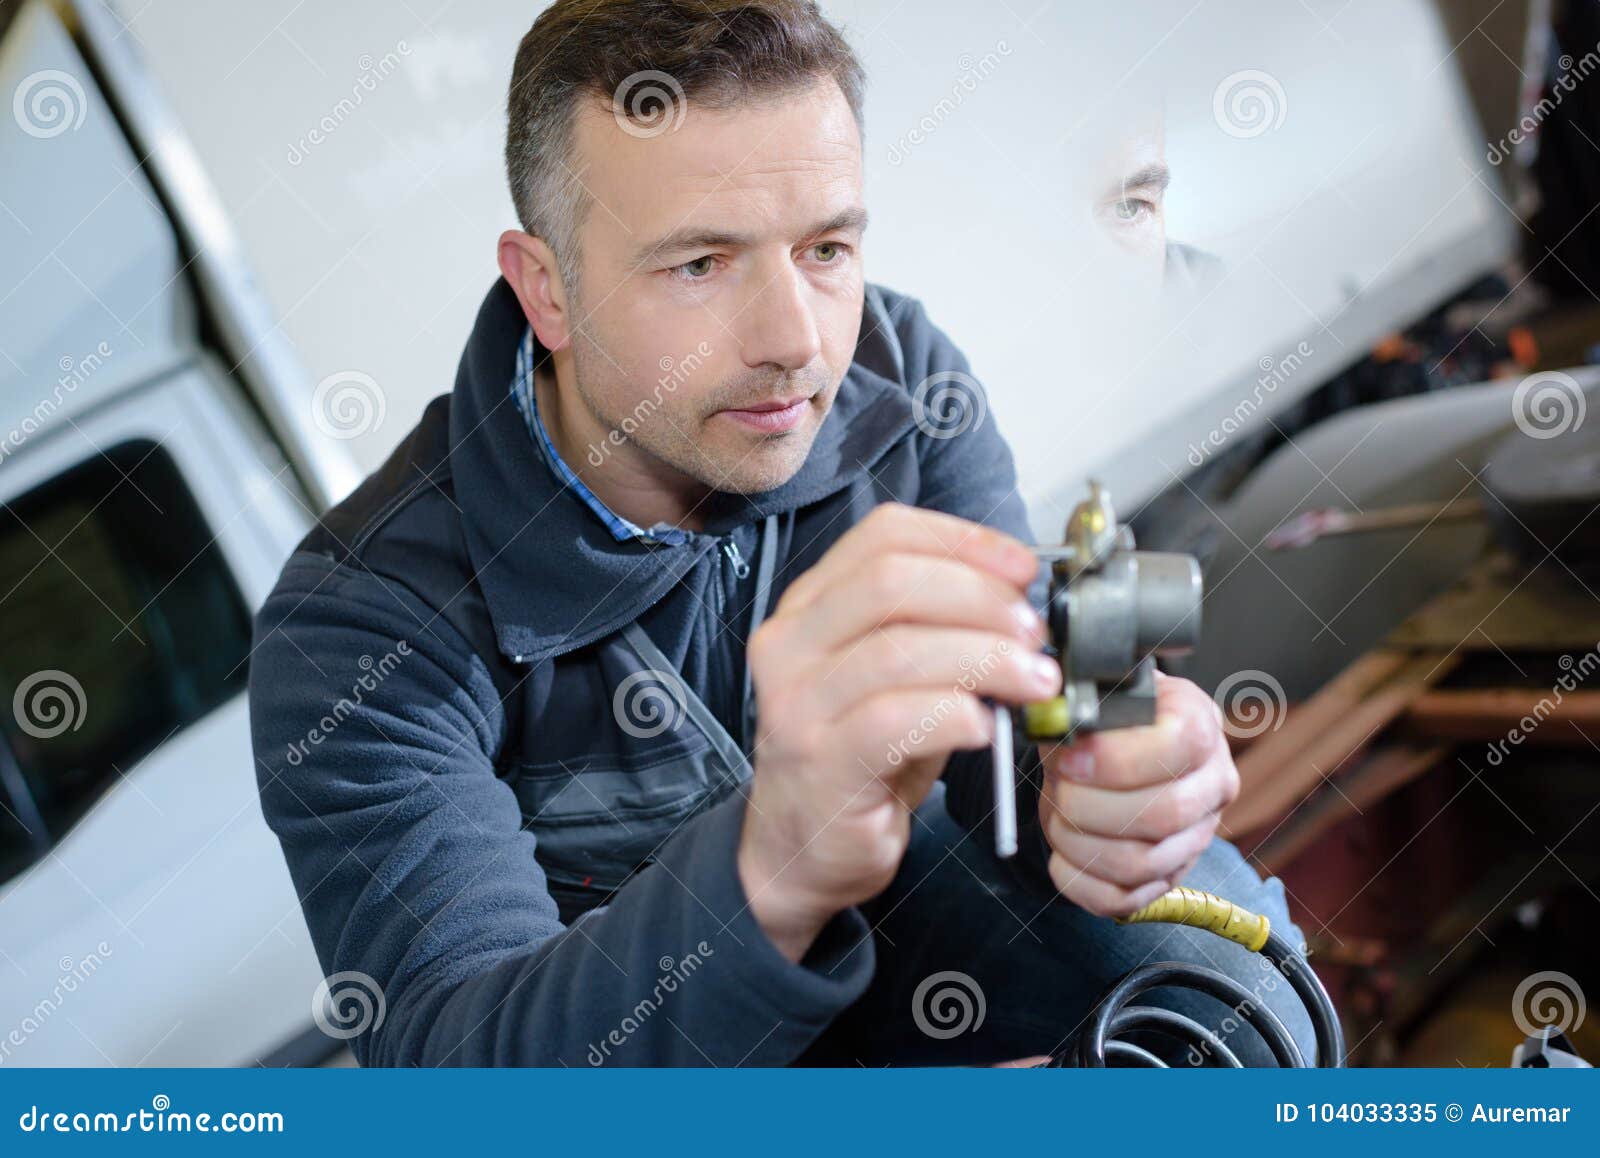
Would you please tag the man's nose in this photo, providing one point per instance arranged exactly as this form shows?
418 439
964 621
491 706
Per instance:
779 327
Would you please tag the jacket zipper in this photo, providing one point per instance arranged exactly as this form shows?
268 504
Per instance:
741 569
746 722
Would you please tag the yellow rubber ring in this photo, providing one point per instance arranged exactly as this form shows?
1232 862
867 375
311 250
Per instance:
1046 719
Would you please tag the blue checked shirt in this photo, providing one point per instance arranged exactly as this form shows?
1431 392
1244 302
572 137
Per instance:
522 393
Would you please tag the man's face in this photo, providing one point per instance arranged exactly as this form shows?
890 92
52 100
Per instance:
1129 191
720 270
1115 233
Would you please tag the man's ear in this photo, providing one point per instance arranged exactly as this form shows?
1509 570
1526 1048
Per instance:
530 267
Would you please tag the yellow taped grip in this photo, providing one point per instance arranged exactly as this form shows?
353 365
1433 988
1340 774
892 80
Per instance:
1199 910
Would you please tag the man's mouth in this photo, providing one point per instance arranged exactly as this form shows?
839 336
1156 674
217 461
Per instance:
770 417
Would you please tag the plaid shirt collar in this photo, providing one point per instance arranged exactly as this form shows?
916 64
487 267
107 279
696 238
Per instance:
522 393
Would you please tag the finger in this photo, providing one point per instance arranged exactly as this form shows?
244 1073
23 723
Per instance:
1183 871
1098 896
894 729
892 528
1184 736
946 659
1129 863
1124 759
1153 813
906 588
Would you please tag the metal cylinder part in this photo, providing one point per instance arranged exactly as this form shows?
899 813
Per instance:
1168 601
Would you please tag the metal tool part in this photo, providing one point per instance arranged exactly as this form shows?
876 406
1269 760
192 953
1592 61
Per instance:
1112 611
1005 784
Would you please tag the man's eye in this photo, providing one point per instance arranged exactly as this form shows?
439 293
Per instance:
1132 209
828 252
696 269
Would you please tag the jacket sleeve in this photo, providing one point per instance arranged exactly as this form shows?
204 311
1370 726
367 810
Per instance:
376 729
967 469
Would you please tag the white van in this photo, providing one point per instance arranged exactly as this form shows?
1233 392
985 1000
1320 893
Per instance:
157 464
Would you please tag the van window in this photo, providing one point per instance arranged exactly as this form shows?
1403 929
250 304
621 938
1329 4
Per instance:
120 623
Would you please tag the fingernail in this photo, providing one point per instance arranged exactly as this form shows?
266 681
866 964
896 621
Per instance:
1046 672
1029 620
1149 893
1078 765
1020 553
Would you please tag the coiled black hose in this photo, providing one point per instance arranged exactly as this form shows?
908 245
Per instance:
1103 1041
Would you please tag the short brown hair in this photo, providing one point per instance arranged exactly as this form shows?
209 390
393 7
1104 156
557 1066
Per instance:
648 58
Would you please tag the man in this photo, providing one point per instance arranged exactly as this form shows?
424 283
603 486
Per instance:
686 607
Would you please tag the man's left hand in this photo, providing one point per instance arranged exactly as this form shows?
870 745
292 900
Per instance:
1127 812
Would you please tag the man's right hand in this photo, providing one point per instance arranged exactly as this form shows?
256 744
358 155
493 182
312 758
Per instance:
869 673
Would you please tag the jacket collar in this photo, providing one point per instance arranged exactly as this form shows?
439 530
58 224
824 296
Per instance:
553 578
